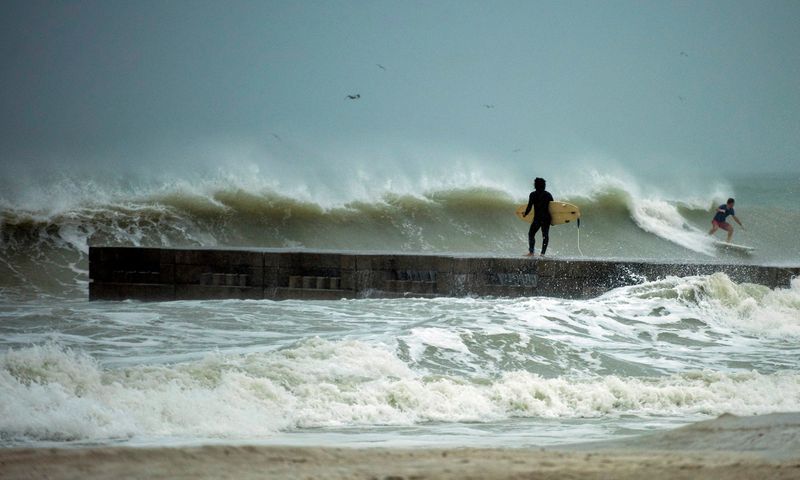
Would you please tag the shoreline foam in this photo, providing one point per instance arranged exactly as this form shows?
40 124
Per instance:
727 447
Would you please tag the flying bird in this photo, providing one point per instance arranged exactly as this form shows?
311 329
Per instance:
354 97
381 66
278 137
488 106
684 54
516 150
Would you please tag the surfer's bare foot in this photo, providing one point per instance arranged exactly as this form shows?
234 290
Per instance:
529 254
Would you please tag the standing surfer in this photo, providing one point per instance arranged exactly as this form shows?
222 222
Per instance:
719 219
539 200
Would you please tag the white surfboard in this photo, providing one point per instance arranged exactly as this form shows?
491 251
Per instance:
733 247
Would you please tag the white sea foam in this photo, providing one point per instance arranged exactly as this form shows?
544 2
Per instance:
749 308
51 393
421 338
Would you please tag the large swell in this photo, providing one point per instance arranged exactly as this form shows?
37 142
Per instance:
675 348
44 246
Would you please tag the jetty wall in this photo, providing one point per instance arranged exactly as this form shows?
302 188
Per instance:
160 274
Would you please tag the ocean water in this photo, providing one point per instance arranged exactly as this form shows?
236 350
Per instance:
447 371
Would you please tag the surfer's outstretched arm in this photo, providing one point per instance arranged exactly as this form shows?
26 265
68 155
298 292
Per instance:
530 205
737 220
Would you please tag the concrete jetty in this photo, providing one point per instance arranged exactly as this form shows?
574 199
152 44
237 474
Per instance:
160 274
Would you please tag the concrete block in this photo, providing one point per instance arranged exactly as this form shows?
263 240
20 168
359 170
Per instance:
317 265
346 277
193 274
256 276
347 262
551 268
444 282
564 287
310 261
472 265
104 261
465 265
521 264
267 278
388 262
752 274
118 272
459 284
278 259
270 293
442 264
95 255
512 279
205 274
563 268
166 274
368 280
228 258
423 287
281 277
132 258
783 276
150 277
102 272
129 291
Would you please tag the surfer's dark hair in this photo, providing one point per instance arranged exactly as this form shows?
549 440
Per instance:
539 184
730 200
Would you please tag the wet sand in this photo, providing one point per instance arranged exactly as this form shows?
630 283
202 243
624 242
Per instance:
728 447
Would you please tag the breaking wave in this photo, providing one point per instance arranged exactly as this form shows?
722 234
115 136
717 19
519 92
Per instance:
54 239
676 347
54 394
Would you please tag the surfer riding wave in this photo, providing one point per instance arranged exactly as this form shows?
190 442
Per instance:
719 220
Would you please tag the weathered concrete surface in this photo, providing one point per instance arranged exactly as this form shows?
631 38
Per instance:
160 274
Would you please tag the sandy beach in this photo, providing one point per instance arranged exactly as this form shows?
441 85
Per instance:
728 447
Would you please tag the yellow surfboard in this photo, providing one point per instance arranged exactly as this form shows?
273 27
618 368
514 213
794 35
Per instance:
560 212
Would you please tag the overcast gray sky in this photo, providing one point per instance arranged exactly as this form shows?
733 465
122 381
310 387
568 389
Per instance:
686 86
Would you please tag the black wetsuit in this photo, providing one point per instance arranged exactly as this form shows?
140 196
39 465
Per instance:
539 200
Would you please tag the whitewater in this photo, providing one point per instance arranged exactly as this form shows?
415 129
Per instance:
445 371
